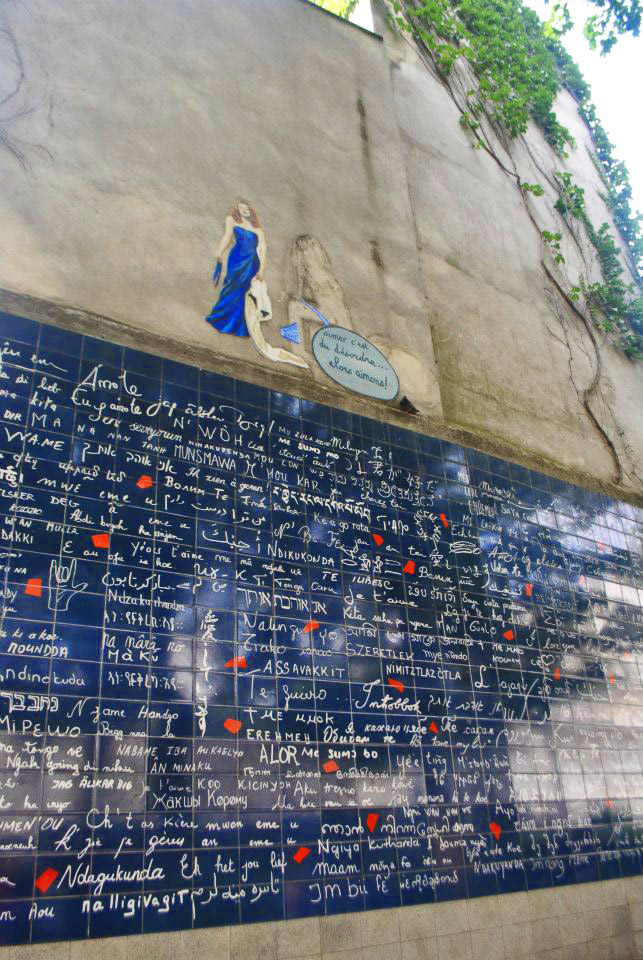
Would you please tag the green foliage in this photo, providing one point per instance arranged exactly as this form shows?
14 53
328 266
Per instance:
505 44
342 8
571 199
615 306
554 242
560 21
615 17
467 121
533 188
620 309
618 192
520 65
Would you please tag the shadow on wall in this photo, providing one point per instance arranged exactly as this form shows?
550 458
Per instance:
320 300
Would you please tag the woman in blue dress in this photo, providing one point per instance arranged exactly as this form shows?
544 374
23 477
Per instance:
246 260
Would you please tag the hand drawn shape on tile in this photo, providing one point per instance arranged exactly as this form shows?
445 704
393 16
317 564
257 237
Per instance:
62 584
239 662
371 821
46 879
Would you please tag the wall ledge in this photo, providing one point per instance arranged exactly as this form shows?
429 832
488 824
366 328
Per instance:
70 318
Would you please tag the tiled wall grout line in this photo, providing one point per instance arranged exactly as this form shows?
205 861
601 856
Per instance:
409 813
542 926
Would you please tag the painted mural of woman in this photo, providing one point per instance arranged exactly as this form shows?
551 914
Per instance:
246 260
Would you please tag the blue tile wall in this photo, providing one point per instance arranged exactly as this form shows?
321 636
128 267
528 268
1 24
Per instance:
261 658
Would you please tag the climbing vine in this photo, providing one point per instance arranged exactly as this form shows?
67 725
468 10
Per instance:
519 67
612 304
613 173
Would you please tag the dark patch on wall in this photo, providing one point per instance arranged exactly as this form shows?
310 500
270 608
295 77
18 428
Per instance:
376 255
363 129
366 147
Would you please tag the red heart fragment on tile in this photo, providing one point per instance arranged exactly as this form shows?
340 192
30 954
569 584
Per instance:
144 482
300 855
310 626
237 662
232 725
33 587
600 545
608 802
443 518
100 540
46 879
409 566
496 829
330 767
509 635
379 540
397 684
529 589
371 821
433 727
611 678
557 673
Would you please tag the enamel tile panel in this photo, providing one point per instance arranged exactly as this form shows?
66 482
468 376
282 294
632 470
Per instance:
261 658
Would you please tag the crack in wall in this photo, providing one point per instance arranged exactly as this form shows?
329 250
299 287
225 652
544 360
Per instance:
593 390
18 103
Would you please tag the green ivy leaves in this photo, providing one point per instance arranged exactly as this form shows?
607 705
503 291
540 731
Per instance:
554 242
520 66
571 200
534 188
613 304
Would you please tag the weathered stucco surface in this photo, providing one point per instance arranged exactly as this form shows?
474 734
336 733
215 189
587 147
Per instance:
514 361
146 121
127 131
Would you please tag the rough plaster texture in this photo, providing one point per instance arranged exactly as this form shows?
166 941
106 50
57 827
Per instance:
593 921
145 121
512 359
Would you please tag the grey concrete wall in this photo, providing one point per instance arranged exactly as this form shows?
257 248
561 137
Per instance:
127 130
592 921
513 360
143 123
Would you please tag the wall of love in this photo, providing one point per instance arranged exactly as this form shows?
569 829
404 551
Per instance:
261 658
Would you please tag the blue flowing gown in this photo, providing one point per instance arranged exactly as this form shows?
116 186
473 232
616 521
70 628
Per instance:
228 313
